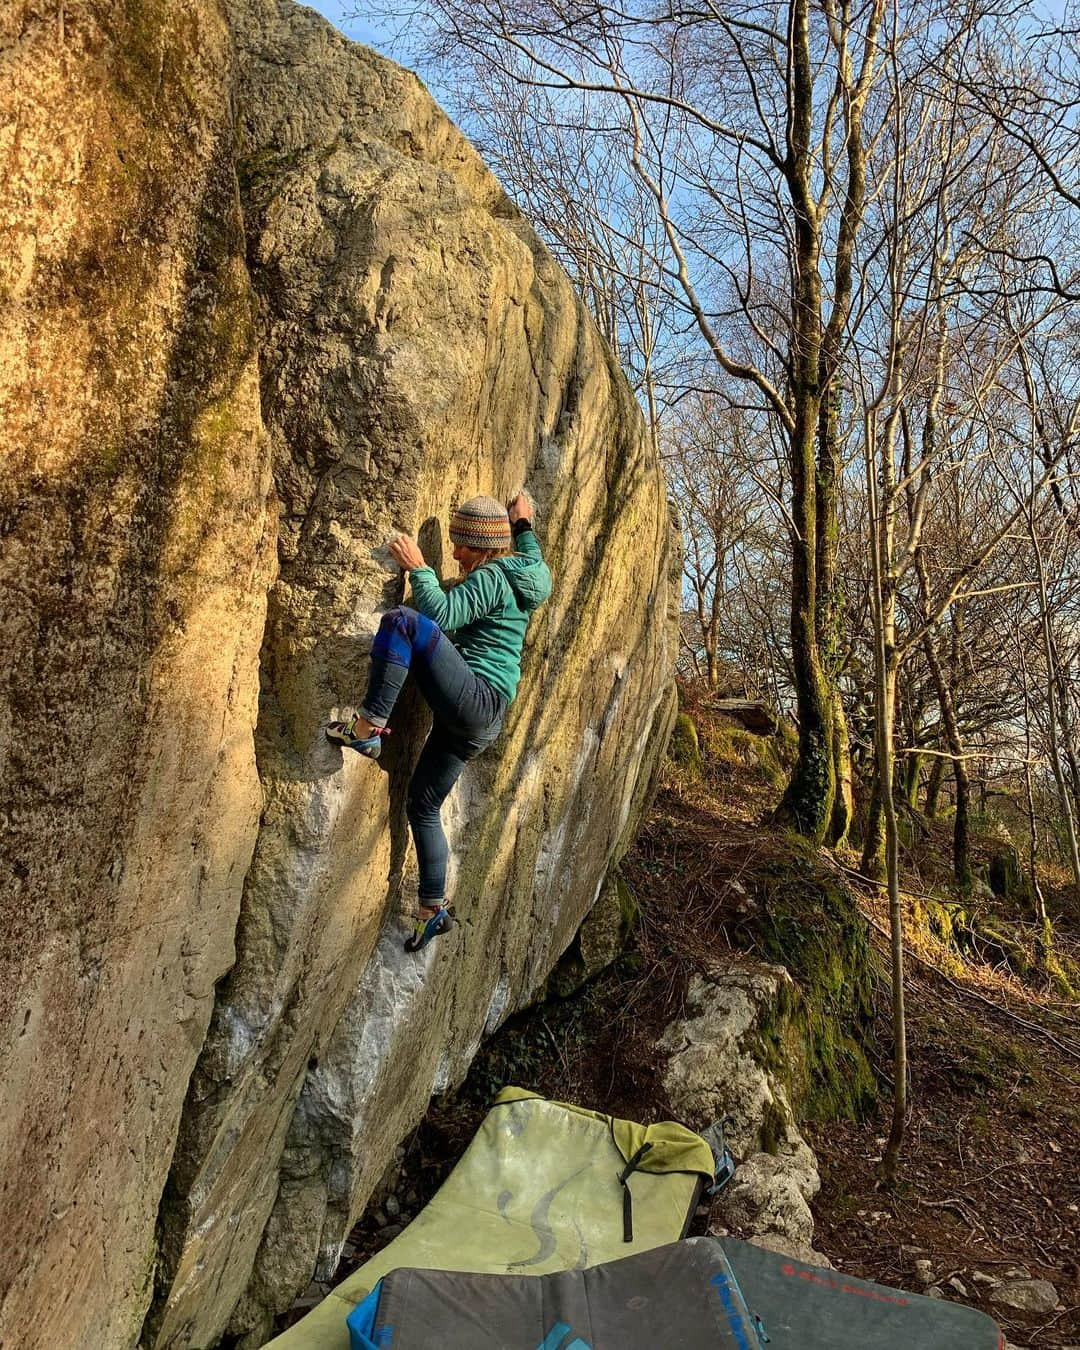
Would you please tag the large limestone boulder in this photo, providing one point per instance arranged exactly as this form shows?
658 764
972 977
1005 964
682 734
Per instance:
135 555
259 291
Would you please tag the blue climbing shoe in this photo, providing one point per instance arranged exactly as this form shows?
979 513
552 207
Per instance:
425 929
344 733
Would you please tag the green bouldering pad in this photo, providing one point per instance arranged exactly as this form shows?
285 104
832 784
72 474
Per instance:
536 1191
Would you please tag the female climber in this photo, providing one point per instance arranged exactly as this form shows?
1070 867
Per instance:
463 646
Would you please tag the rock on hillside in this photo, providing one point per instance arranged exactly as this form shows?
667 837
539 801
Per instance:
259 294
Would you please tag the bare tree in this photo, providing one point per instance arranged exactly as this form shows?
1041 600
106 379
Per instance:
715 462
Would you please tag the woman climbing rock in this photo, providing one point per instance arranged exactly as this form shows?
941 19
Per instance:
463 646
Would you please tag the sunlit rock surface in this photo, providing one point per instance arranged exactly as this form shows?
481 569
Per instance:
136 548
263 306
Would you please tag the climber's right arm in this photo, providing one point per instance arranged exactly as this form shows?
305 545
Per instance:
525 541
481 592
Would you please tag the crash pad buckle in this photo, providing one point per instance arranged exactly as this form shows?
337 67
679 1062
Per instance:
725 1159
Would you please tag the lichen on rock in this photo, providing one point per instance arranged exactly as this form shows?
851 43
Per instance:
262 291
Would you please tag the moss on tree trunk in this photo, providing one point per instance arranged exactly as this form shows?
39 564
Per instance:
818 1045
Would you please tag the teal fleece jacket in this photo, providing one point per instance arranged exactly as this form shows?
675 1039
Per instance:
486 614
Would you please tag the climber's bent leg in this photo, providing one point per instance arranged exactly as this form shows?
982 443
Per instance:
404 638
469 710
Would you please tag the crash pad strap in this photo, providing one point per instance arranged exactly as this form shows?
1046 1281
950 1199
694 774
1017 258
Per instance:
627 1201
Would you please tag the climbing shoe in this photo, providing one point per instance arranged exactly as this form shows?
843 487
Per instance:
344 733
425 929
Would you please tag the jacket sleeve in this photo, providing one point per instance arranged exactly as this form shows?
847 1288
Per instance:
480 593
525 541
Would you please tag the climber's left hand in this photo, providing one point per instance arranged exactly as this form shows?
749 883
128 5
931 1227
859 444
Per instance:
405 550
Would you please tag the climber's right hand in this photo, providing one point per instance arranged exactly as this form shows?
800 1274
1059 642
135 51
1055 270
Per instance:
406 552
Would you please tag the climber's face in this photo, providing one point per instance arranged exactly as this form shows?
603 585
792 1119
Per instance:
467 558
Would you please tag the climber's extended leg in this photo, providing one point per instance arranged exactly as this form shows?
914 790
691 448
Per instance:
440 765
432 922
444 756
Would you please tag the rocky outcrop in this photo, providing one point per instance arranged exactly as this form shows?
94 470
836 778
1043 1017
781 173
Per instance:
260 291
716 1070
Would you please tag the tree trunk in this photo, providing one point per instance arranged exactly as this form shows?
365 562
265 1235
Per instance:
829 615
886 669
713 667
891 1159
1033 851
807 803
1068 740
912 770
843 811
933 787
961 831
961 860
872 865
1032 820
808 800
1053 712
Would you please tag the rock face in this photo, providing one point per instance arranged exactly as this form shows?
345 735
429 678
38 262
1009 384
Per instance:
714 1071
260 292
135 555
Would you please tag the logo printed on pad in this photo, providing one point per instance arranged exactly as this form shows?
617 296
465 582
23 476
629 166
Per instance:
723 1285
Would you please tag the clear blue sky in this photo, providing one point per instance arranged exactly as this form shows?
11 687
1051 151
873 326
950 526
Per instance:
358 29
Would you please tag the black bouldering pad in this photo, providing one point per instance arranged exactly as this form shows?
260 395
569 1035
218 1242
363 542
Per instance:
699 1294
806 1308
680 1297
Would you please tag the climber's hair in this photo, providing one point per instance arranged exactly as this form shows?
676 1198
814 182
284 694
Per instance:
488 553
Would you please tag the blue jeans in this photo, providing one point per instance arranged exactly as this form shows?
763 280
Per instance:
467 716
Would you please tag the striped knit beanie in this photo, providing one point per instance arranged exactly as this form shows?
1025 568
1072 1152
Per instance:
481 522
